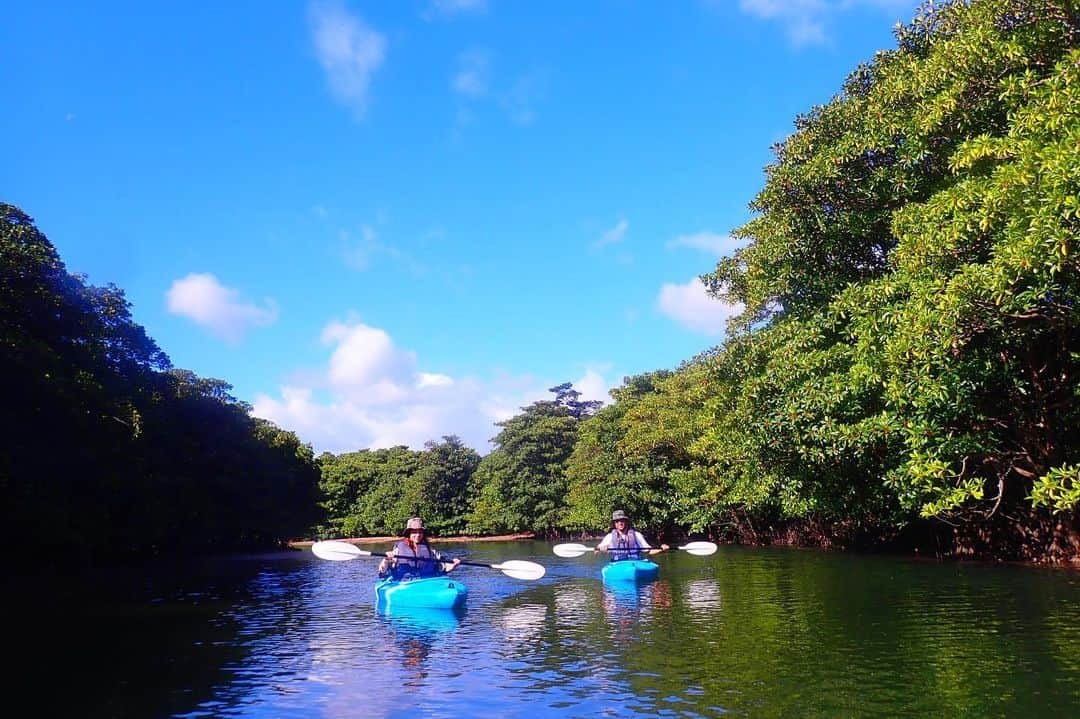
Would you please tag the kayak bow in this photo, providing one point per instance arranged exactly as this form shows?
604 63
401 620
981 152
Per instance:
630 570
427 593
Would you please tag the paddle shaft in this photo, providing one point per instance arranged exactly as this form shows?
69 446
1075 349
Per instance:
632 549
406 559
478 564
343 551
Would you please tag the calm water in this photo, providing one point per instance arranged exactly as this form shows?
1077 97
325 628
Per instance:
745 632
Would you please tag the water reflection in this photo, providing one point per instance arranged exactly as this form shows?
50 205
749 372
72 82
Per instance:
624 593
641 597
748 632
573 601
415 632
702 599
523 623
421 621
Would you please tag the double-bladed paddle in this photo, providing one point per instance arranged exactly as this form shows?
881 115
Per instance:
341 551
576 550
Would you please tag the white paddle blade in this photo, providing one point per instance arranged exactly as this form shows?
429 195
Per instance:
520 569
337 551
570 550
700 548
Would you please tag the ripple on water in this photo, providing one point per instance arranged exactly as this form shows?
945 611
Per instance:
752 633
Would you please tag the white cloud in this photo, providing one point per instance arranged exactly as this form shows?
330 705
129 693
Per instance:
805 21
450 8
360 254
203 299
709 242
690 306
371 395
472 83
518 102
802 19
471 79
593 386
428 379
614 235
348 50
365 365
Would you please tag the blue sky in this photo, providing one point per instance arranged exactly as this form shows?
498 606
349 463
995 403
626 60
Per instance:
385 222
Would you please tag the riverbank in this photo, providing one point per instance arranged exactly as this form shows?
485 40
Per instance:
525 536
1052 541
919 540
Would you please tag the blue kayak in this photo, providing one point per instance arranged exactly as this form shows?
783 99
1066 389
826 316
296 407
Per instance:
428 593
630 570
421 620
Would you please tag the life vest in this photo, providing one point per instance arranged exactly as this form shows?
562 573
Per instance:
628 543
421 562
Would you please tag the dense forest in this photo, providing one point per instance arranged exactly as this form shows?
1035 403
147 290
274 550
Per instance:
109 452
902 374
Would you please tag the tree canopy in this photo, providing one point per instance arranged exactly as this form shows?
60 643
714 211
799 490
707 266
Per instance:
110 452
912 276
906 356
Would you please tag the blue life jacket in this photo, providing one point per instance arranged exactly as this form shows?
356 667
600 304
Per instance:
423 562
628 543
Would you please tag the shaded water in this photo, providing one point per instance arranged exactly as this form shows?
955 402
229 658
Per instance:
745 632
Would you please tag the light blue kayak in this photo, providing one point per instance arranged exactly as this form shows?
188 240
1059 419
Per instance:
428 593
419 621
630 570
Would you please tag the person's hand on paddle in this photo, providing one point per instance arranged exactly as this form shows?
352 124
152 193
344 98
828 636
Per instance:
389 563
338 551
701 549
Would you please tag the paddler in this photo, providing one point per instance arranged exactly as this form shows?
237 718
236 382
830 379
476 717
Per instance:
625 542
413 557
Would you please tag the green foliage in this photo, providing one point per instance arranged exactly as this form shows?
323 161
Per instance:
392 498
110 453
600 477
825 214
658 430
909 347
522 485
374 492
787 431
985 345
1058 489
444 477
909 343
487 490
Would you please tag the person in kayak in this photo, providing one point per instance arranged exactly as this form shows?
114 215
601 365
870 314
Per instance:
625 542
412 557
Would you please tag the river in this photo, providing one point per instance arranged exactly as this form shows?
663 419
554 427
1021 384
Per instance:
744 632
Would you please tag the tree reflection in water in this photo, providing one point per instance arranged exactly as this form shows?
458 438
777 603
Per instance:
415 632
